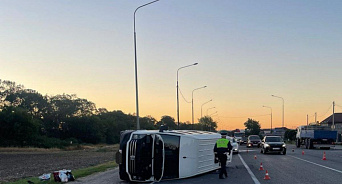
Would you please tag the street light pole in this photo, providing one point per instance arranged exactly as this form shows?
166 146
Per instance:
178 92
209 109
271 115
204 104
283 108
136 64
192 103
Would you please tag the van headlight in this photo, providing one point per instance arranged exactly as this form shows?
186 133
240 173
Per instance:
284 145
267 145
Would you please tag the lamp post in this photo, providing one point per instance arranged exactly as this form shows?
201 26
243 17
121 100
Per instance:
136 64
283 108
271 115
209 109
192 103
178 92
204 104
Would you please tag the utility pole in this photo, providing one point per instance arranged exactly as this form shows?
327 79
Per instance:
333 120
315 117
307 120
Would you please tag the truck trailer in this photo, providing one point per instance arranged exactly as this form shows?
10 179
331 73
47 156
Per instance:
315 136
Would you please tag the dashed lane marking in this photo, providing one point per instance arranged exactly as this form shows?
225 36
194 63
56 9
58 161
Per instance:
256 181
317 164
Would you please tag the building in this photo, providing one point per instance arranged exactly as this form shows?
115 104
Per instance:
336 125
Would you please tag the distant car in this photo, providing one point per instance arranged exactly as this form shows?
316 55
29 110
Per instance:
273 144
253 140
234 144
243 140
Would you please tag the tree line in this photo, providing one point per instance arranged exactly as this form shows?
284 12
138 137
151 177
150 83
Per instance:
28 118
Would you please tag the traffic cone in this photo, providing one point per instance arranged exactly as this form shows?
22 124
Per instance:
267 177
261 167
303 152
255 157
324 158
292 150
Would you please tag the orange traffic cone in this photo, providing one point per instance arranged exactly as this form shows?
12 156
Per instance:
255 157
324 158
261 167
303 152
267 177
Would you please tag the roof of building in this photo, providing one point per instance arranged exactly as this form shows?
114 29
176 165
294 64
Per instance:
338 119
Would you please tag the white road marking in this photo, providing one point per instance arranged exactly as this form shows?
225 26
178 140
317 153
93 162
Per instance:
246 150
317 164
256 181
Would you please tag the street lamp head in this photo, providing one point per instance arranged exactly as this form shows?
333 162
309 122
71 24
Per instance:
204 86
195 63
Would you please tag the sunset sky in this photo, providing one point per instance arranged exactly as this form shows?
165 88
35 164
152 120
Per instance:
246 50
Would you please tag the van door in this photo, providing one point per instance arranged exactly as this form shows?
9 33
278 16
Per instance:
159 158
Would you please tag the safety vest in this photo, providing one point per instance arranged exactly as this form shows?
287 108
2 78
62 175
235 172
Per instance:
222 143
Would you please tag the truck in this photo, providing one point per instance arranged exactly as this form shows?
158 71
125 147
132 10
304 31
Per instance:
312 136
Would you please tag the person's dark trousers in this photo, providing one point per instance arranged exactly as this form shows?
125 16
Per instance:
223 161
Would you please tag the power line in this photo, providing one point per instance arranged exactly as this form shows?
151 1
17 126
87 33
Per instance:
183 95
245 116
325 112
338 105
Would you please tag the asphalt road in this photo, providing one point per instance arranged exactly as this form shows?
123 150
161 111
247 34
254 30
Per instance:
292 168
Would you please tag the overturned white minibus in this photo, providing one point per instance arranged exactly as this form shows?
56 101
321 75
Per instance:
151 155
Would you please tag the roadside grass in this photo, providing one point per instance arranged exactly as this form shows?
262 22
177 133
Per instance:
79 173
27 149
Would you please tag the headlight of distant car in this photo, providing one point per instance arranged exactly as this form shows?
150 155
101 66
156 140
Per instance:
267 145
284 145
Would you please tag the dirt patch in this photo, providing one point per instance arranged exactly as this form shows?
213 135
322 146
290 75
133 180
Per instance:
27 163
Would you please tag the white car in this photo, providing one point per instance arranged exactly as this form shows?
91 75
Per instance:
234 144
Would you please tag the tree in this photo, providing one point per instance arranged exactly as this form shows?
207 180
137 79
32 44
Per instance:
87 129
207 123
290 134
168 121
7 88
62 107
148 123
17 127
252 127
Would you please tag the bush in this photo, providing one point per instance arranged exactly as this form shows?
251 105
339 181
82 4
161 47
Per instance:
48 142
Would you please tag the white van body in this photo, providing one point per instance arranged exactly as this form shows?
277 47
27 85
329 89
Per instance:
150 155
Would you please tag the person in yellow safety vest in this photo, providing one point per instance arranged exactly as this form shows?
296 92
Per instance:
222 147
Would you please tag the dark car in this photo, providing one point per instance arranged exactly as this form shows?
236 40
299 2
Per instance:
243 140
253 140
273 144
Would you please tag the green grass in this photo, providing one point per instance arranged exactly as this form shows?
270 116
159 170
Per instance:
79 173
